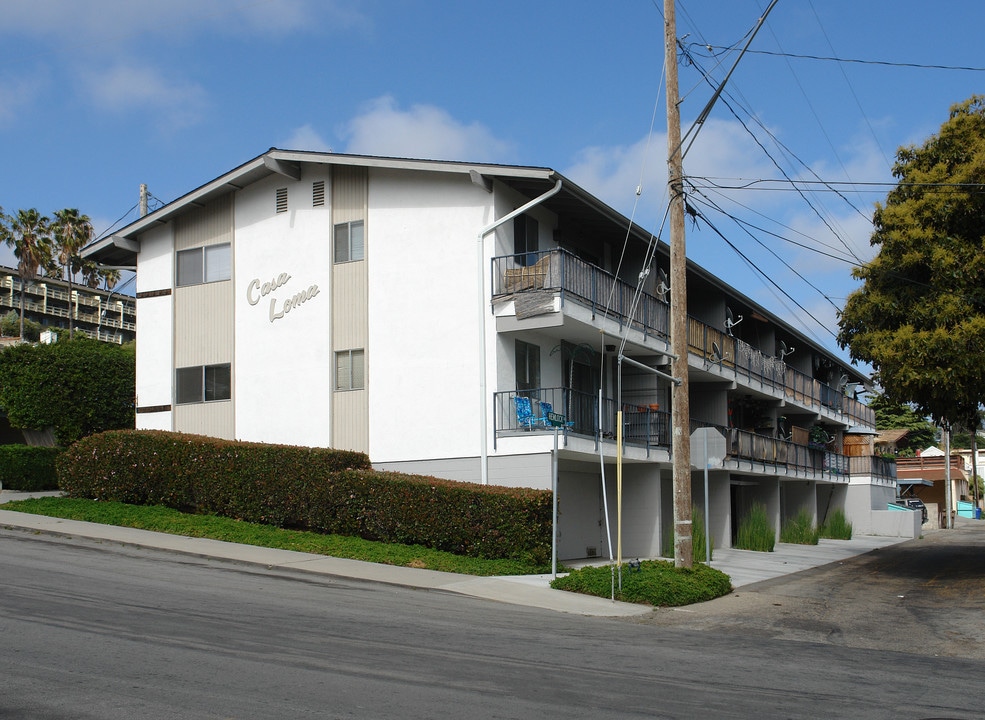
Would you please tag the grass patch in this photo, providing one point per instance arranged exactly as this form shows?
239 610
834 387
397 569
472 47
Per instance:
656 583
800 530
837 527
755 531
162 519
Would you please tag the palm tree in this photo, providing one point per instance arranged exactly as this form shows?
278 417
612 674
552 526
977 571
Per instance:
30 236
93 275
71 232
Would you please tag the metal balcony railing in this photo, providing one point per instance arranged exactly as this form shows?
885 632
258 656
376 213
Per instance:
753 448
574 279
644 426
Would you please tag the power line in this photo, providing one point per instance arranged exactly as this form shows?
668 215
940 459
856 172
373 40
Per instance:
885 63
770 280
108 230
750 184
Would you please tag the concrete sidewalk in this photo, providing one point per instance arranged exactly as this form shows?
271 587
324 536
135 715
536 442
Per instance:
743 566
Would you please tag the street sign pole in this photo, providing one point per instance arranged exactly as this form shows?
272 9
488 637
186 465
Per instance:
712 452
554 508
707 505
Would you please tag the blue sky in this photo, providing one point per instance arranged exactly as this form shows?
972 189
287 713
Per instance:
98 96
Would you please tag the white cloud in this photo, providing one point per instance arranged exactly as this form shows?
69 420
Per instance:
306 138
724 154
722 151
124 88
422 131
98 21
90 35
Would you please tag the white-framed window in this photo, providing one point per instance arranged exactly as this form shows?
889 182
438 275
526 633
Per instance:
202 383
527 357
350 370
349 241
211 263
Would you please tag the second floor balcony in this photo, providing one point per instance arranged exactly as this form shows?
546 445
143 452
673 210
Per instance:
649 427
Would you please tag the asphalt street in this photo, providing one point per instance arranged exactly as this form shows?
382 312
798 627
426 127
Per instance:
925 596
100 630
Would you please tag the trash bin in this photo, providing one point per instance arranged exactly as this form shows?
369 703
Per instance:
978 513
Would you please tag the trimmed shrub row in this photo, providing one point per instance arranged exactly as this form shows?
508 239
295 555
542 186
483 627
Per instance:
329 491
27 468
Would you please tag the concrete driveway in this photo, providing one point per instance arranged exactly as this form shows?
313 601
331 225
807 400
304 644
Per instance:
923 596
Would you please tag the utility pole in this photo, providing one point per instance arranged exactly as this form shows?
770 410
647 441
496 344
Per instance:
681 414
949 524
143 199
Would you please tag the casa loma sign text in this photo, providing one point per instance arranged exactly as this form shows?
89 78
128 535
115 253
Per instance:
258 290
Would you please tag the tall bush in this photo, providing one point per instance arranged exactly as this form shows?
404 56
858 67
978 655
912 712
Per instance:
77 387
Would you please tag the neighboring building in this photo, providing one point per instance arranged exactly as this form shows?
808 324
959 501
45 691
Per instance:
925 477
99 314
428 312
887 441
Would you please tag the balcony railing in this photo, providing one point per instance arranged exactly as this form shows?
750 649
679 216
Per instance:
644 426
929 462
877 467
574 279
755 449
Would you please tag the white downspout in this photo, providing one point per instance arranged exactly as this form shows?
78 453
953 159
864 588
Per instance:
483 405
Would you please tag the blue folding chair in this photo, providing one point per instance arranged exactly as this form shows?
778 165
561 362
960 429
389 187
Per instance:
546 409
524 412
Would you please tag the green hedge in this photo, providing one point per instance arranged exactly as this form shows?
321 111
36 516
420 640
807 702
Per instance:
27 468
77 387
330 491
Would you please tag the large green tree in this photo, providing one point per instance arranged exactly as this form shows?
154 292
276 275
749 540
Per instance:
919 317
900 416
77 387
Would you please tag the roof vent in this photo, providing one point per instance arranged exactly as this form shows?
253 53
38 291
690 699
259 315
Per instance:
318 193
281 200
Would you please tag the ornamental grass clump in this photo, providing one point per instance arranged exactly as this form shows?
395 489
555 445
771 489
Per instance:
800 530
755 531
697 537
837 527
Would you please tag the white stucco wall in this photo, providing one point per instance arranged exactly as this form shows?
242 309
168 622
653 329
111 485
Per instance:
580 525
424 315
641 512
282 374
155 328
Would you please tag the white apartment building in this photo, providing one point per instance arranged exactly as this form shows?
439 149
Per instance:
428 312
